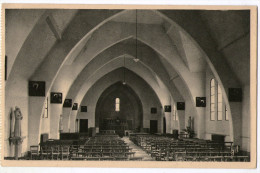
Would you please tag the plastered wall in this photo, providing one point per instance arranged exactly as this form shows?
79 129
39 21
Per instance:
223 127
214 127
142 89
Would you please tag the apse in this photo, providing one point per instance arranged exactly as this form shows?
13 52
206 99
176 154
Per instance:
136 98
119 108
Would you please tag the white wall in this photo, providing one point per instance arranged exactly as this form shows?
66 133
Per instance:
214 127
19 24
246 118
19 98
142 89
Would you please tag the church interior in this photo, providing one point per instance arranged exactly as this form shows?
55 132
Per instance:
115 84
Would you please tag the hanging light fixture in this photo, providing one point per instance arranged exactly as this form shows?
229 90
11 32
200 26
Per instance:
136 58
124 82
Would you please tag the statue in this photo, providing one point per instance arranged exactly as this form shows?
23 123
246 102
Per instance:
189 129
17 126
11 125
16 138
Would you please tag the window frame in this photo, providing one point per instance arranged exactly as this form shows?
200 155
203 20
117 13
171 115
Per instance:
46 108
226 114
212 113
117 104
219 97
175 117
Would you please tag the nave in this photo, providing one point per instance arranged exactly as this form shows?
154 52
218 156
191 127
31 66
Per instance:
136 147
129 84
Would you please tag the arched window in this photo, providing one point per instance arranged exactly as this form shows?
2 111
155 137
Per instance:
212 99
117 105
226 114
219 103
45 113
175 117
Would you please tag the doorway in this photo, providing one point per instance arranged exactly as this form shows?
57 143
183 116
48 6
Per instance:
153 126
83 125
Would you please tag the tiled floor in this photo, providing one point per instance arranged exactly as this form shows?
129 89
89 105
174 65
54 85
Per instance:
138 151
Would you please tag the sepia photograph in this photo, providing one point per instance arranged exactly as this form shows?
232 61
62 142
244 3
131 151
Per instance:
129 86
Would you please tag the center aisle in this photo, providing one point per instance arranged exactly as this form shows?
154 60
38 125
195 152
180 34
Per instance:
138 151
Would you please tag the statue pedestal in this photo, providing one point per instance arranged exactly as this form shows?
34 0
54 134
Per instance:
17 141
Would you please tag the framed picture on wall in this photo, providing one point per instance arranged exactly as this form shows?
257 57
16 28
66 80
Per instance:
153 110
5 67
37 88
84 109
167 108
56 97
235 94
75 106
200 101
67 103
180 105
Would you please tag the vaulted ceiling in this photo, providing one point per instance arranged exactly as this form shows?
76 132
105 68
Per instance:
72 49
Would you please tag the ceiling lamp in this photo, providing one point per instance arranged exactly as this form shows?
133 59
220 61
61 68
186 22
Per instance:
136 58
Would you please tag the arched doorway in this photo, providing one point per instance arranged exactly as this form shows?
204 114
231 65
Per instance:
119 108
